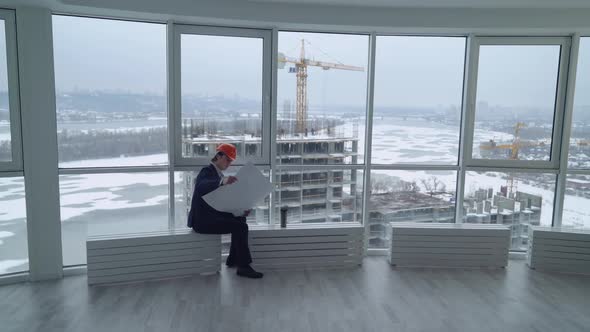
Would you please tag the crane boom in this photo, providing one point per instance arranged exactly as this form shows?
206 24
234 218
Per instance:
301 65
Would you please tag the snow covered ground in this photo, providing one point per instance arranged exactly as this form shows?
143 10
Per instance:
103 203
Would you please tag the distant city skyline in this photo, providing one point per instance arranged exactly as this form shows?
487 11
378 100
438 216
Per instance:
421 72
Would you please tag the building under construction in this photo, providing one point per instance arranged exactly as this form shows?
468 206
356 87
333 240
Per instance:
311 195
484 206
519 210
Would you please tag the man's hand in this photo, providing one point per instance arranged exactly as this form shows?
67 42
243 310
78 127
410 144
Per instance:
230 179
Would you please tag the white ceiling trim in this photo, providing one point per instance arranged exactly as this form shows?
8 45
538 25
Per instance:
482 4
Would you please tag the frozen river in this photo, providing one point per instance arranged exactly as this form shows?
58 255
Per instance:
119 203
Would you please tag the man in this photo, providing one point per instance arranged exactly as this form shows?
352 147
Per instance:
206 220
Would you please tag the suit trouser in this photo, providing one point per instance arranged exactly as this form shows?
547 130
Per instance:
239 252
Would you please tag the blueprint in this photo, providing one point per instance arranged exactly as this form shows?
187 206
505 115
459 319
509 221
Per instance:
250 189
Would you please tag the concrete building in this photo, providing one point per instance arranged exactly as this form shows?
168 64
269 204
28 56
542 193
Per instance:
311 195
520 211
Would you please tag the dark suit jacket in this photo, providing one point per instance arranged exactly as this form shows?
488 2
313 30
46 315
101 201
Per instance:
207 181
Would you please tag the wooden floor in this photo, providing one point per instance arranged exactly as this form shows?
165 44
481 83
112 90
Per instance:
375 297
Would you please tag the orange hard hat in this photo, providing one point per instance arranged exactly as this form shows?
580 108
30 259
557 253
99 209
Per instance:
228 149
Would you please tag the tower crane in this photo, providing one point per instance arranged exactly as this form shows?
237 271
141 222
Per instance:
301 63
513 149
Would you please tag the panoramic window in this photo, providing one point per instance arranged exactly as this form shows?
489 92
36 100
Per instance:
109 204
319 195
579 148
110 79
515 102
417 103
517 199
409 196
14 255
576 207
183 191
5 132
111 112
221 95
321 116
321 103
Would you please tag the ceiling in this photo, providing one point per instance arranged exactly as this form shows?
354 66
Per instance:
533 4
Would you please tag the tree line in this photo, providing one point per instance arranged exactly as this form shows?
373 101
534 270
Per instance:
109 144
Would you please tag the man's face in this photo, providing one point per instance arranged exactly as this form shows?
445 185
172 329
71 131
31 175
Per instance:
224 162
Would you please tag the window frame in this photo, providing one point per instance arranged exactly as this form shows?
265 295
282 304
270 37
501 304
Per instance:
16 164
429 165
176 93
559 104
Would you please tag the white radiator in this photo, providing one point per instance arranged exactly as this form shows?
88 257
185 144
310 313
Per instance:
449 245
307 246
144 256
559 249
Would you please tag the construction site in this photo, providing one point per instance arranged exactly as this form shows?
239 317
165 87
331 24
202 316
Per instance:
311 195
316 195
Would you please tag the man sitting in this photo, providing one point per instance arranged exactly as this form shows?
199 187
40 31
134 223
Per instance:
206 220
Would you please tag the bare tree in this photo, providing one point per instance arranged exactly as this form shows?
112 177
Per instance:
410 186
431 184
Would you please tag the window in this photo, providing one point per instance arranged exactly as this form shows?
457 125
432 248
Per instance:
518 199
322 89
14 255
184 183
10 142
319 195
111 112
518 100
5 132
224 93
418 91
184 189
109 204
416 122
579 149
577 187
409 196
111 102
577 197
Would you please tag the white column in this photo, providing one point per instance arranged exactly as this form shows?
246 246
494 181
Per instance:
37 93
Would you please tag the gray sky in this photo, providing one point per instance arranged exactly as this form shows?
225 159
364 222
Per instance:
93 54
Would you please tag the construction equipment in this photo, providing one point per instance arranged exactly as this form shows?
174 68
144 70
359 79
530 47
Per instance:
301 65
513 148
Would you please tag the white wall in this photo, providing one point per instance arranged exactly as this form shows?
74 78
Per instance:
339 18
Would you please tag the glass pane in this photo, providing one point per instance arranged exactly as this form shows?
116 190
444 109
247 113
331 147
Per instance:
14 253
5 138
110 78
579 151
184 184
418 92
576 206
318 196
515 199
221 94
322 88
409 196
515 105
105 204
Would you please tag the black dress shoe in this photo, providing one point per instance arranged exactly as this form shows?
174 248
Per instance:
249 272
230 263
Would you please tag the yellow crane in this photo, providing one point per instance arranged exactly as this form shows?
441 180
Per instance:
301 65
513 148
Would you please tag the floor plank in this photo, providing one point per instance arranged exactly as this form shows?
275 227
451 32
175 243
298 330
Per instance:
374 297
